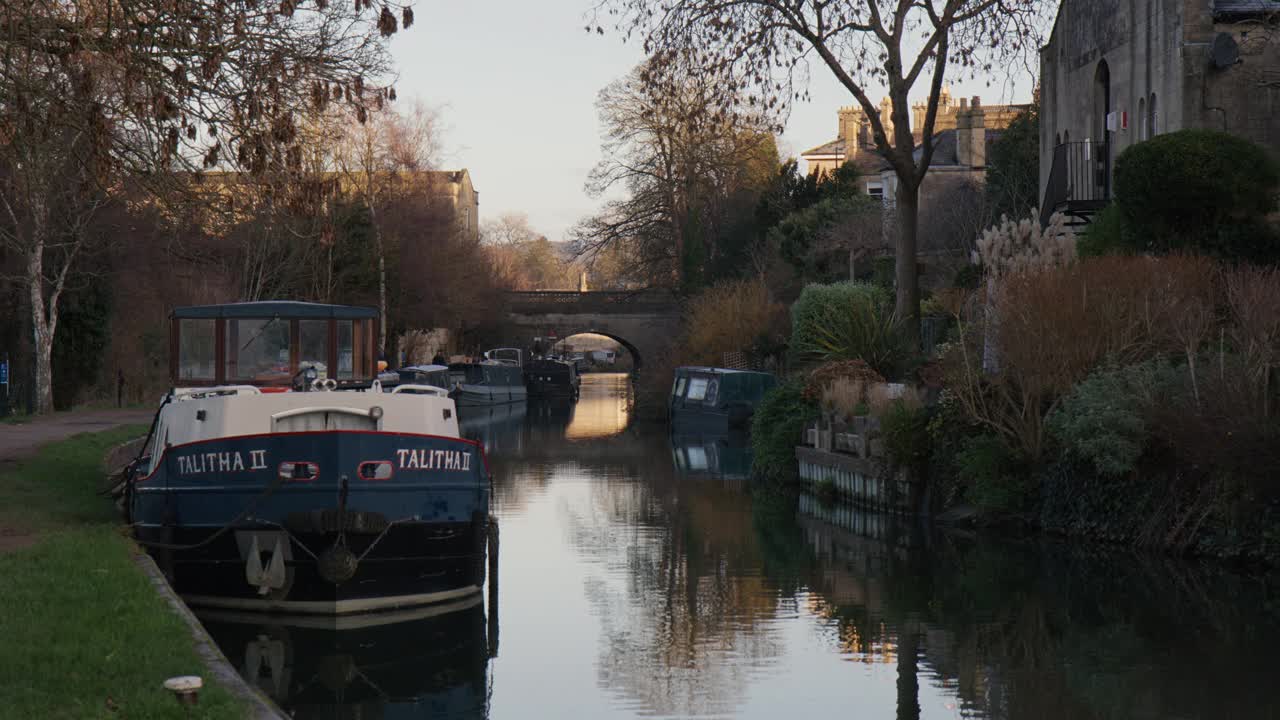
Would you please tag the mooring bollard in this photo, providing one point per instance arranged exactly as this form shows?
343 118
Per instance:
186 688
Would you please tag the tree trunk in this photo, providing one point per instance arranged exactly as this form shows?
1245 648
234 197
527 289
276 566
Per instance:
907 296
44 317
382 275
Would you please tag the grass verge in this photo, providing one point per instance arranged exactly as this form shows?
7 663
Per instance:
84 633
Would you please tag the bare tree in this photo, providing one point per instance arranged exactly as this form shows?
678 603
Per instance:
677 158
524 259
760 50
93 92
857 234
380 161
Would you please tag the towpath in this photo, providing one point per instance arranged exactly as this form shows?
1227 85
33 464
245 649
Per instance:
21 441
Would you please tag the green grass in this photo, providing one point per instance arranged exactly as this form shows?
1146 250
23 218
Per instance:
58 487
84 633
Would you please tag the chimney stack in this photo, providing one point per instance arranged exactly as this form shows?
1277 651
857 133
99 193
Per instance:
971 134
850 129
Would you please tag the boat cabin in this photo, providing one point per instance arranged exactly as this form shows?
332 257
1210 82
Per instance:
433 375
270 343
551 378
716 398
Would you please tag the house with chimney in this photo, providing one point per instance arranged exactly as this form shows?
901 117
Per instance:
1117 72
853 141
964 130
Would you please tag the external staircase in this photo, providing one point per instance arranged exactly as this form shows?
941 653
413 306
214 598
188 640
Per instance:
1079 183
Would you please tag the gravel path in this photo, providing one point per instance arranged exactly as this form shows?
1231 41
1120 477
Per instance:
20 441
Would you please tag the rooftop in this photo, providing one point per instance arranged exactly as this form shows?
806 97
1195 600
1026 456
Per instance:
275 309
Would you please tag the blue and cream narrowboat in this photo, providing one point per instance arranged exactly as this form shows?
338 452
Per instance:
280 475
716 400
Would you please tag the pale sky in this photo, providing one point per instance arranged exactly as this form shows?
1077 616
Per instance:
516 83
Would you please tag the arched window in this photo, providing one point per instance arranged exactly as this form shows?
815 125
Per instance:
1153 121
1142 119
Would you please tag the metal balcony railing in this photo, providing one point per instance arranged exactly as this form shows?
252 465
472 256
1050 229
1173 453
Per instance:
1079 180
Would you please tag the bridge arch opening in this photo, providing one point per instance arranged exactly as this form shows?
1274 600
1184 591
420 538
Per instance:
601 350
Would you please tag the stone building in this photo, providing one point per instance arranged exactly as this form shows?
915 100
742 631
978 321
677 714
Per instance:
1117 72
454 186
853 138
950 196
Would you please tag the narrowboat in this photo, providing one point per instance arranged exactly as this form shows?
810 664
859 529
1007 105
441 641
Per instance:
547 378
433 375
498 378
280 475
716 400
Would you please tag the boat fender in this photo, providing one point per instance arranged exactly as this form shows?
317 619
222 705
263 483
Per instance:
337 564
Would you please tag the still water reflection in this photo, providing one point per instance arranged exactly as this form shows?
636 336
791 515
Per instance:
643 575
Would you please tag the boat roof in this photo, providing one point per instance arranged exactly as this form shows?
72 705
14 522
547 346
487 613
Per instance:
425 368
276 308
719 371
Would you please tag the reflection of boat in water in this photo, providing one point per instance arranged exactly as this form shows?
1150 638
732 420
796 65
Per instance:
723 456
497 427
426 663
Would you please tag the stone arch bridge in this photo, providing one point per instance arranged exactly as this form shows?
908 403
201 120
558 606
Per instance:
642 321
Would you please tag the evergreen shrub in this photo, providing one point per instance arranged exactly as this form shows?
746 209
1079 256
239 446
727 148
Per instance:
997 477
905 428
1103 420
849 321
1200 190
776 430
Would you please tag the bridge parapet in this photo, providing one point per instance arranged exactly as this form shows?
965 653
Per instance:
535 302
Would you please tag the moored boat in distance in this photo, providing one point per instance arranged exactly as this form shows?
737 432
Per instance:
716 400
281 475
498 378
550 378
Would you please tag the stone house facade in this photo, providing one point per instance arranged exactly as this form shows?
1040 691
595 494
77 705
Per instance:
1117 72
965 129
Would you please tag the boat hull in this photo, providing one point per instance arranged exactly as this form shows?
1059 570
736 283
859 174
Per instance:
233 533
472 395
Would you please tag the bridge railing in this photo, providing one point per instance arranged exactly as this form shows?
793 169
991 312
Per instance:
568 301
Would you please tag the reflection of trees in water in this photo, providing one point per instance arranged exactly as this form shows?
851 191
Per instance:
1045 630
676 586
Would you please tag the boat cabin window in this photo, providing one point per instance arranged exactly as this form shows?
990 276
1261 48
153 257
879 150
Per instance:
697 388
679 387
313 346
713 390
258 350
197 343
353 353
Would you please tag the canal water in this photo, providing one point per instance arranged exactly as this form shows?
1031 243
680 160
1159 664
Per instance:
645 576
